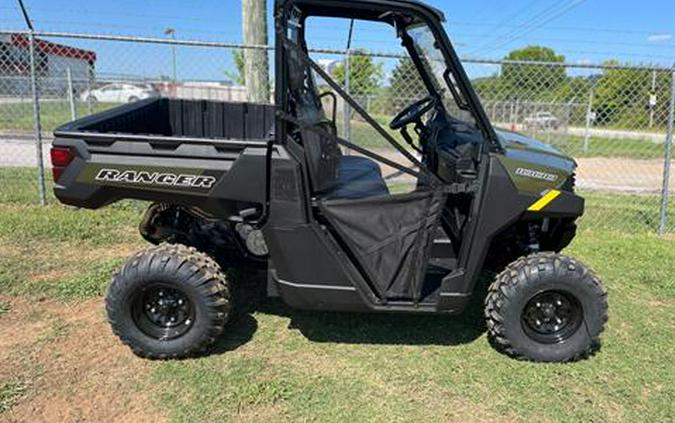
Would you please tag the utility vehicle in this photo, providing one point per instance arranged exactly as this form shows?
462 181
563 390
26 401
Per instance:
275 188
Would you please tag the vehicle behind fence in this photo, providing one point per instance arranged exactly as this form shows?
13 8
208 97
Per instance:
615 120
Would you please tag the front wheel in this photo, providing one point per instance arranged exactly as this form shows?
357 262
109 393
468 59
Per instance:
546 307
168 301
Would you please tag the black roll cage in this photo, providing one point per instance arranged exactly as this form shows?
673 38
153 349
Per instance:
378 10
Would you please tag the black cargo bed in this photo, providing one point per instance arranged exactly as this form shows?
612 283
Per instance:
164 118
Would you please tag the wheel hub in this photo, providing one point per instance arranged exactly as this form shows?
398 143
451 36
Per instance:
163 312
166 307
551 316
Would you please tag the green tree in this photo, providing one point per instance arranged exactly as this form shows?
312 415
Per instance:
406 85
622 95
364 74
535 80
406 80
492 88
239 75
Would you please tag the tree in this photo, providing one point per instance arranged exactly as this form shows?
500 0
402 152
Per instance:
239 76
536 80
364 74
406 80
622 94
492 88
406 86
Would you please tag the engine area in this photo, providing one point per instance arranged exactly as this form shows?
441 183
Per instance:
230 242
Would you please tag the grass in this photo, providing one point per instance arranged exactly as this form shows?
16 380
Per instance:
5 307
10 392
283 365
605 147
19 116
628 213
60 251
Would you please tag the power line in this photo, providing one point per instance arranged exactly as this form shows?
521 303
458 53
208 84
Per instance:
535 25
501 23
586 41
529 21
557 28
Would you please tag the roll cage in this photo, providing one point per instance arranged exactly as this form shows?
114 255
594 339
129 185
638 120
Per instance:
400 14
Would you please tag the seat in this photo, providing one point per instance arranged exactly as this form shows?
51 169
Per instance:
332 174
358 177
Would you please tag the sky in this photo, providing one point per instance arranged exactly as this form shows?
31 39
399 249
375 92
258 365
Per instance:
584 31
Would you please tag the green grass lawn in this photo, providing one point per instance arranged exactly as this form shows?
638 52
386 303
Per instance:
277 364
19 116
604 147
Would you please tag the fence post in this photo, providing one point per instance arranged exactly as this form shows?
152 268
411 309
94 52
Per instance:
568 118
663 215
347 125
652 93
71 94
90 85
589 110
36 119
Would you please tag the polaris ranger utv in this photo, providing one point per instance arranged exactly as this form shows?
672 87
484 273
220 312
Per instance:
275 188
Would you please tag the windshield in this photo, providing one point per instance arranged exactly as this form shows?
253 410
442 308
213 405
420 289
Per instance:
426 47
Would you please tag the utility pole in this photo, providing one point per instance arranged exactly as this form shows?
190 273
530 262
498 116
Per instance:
172 33
254 26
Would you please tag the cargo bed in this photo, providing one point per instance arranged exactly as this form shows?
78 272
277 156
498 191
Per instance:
172 118
198 152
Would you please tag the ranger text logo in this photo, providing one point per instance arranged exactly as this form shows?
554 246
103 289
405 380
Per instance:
536 174
155 178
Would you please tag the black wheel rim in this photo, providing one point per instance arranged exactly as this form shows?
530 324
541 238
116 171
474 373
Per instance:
551 317
163 312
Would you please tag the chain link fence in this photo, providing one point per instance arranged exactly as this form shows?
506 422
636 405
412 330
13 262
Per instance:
615 120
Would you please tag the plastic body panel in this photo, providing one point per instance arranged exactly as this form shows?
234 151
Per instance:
205 154
500 204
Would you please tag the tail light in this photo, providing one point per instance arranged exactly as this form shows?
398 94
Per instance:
61 157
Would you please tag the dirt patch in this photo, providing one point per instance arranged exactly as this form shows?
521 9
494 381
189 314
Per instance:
60 260
621 174
77 370
73 253
665 303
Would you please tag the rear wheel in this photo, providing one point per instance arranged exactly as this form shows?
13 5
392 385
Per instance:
168 301
546 307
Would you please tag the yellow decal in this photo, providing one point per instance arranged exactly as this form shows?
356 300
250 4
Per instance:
543 201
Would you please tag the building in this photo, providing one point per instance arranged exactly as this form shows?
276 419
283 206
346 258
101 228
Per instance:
52 64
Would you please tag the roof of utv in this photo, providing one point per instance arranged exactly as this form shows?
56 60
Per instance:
357 4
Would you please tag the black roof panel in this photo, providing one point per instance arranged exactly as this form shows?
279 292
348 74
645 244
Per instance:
393 4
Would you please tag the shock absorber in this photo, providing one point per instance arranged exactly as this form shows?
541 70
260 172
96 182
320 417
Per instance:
533 237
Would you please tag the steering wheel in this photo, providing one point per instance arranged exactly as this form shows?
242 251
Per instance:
412 113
